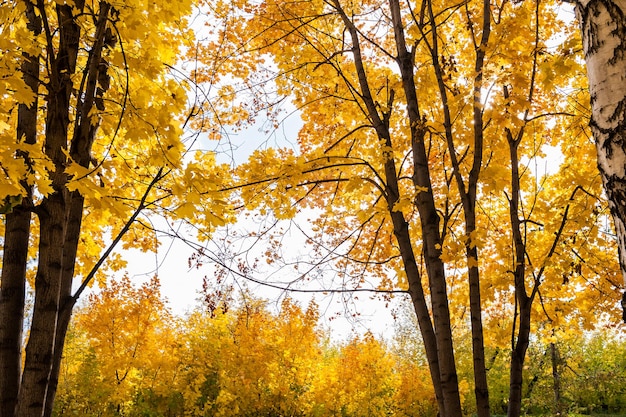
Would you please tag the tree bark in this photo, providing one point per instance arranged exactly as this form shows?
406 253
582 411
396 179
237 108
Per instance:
65 295
467 189
603 27
12 295
53 215
437 338
481 388
60 213
40 347
430 225
403 237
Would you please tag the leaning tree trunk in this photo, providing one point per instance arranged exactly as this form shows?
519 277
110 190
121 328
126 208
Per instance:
429 218
603 26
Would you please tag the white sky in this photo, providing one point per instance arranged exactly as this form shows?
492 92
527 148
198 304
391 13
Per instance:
182 285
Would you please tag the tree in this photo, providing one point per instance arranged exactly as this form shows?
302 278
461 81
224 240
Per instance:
91 128
126 355
133 337
422 124
365 381
126 346
250 362
603 29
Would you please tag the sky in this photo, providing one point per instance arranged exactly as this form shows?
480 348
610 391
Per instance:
181 285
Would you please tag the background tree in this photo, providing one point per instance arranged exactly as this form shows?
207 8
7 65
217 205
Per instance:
251 357
125 345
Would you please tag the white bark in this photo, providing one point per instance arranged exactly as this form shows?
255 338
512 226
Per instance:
603 25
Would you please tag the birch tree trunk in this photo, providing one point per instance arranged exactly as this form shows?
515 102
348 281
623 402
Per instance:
603 27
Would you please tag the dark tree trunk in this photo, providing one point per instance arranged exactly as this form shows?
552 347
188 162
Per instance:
437 338
65 295
53 215
40 346
450 404
60 214
468 189
16 243
523 301
12 296
481 388
518 355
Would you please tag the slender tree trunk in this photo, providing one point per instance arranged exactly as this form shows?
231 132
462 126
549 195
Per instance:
16 243
523 301
437 340
522 304
431 233
467 189
430 225
481 388
401 232
518 355
556 378
603 27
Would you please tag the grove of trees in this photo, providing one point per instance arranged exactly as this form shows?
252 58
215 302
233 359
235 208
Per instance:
448 150
126 354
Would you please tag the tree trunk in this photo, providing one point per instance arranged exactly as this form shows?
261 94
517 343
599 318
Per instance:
467 189
556 378
481 388
40 347
16 243
401 232
430 226
53 216
518 355
65 295
603 27
12 295
523 301
60 213
437 338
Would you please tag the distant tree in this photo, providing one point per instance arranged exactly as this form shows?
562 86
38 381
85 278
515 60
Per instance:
125 346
